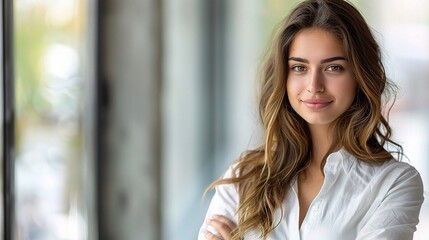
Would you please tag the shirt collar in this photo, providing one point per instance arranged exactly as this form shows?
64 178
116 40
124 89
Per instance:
340 158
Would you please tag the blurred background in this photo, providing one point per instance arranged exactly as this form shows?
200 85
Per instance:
126 110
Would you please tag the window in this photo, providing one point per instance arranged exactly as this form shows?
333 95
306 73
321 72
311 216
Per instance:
52 167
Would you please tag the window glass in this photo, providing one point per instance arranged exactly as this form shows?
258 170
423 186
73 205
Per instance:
49 166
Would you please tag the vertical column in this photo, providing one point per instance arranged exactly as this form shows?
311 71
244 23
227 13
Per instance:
191 80
130 42
8 119
90 118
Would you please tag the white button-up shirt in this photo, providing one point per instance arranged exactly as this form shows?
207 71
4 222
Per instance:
358 200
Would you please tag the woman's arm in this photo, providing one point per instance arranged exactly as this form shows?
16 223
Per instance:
221 214
398 214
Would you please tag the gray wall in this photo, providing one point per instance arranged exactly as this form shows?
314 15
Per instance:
130 78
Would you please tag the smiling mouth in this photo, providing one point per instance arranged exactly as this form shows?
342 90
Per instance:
317 103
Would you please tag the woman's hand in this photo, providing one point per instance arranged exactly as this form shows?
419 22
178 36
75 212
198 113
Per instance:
222 225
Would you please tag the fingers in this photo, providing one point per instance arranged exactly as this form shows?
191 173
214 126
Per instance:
210 236
222 225
225 221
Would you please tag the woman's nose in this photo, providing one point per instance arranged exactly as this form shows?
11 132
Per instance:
315 84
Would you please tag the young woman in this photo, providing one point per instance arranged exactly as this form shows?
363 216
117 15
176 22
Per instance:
324 170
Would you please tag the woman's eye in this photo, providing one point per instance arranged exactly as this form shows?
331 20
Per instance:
298 68
334 68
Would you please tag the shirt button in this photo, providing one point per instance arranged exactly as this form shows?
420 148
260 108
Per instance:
315 208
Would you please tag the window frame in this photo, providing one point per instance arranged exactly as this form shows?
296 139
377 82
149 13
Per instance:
8 115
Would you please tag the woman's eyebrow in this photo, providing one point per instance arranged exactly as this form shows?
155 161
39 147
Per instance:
298 59
333 59
326 60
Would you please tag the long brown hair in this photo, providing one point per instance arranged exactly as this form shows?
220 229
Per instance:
263 175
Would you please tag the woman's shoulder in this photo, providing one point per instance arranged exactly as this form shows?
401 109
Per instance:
391 172
392 166
351 162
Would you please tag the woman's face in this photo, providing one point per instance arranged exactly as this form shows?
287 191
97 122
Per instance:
319 84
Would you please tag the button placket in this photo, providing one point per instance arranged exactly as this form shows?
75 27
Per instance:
313 213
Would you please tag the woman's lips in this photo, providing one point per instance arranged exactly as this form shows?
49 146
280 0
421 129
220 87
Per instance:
317 103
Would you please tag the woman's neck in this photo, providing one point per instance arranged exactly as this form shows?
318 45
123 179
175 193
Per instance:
321 137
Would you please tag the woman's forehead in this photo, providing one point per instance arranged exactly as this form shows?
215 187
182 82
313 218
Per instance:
316 44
